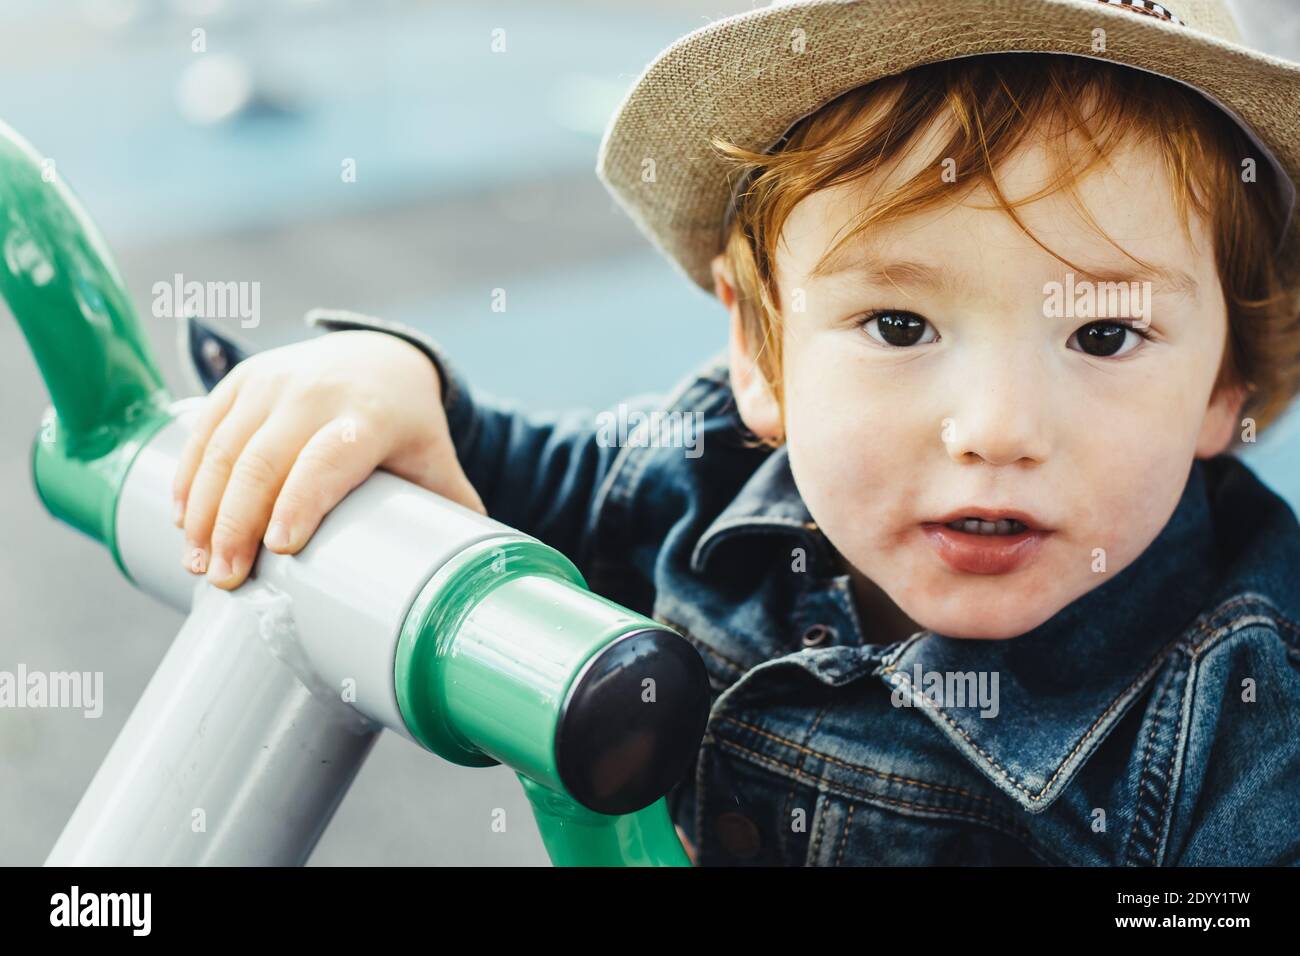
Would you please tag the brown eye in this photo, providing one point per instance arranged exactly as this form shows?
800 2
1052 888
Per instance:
898 329
1107 339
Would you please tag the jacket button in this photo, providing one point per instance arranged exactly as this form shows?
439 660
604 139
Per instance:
737 834
817 635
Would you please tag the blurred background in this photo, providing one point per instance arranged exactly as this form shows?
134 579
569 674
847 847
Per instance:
474 170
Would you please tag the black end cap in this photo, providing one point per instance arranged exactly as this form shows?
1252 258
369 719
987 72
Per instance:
617 748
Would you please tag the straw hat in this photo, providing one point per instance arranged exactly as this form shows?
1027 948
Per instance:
750 77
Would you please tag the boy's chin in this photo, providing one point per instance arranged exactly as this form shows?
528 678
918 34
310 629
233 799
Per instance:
998 625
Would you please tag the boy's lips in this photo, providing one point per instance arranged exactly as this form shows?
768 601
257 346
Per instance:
972 552
983 553
992 514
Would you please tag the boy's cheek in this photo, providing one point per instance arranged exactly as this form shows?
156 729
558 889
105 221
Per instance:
858 462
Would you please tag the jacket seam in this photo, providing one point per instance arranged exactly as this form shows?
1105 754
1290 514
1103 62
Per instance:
1213 630
1000 824
1176 756
785 815
782 846
1135 841
859 768
844 835
1141 783
820 829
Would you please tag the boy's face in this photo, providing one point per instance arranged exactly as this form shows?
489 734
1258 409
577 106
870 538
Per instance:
968 395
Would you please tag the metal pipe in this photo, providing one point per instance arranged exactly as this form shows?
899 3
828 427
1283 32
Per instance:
405 611
227 758
62 286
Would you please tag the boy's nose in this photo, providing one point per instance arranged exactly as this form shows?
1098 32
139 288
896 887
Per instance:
999 410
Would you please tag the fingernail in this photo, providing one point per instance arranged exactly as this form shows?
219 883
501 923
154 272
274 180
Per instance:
219 569
194 560
178 512
277 536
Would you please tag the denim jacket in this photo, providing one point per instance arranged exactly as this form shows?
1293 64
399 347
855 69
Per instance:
1153 721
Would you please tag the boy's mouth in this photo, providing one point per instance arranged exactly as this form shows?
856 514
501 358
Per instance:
983 541
978 526
975 520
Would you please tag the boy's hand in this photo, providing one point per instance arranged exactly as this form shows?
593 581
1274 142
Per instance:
290 431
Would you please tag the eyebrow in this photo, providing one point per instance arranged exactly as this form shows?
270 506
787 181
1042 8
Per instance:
922 275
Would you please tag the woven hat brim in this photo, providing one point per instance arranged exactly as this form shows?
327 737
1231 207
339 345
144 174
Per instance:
741 78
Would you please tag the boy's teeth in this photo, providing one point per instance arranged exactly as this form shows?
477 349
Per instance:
977 526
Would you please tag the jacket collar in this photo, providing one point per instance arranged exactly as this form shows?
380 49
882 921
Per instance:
767 504
1063 686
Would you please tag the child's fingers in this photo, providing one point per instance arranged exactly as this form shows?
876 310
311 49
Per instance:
250 493
214 409
337 458
219 456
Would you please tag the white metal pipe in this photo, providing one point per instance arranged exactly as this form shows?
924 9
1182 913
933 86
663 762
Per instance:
350 587
227 758
269 700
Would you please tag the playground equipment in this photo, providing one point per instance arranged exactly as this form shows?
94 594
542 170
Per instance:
405 611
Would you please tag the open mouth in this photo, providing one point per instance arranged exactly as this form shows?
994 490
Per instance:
1003 526
986 542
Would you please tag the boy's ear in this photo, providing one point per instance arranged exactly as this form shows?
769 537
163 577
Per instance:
1222 419
754 399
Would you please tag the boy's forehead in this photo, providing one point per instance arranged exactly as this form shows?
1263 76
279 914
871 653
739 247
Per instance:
1129 195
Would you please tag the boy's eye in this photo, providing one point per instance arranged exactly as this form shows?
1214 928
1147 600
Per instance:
1102 339
1106 339
899 329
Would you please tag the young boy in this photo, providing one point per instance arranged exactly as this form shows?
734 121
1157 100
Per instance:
958 537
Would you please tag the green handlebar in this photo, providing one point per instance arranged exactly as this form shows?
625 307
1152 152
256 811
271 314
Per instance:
576 836
65 292
506 657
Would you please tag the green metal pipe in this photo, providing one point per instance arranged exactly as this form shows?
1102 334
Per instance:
59 280
576 836
506 657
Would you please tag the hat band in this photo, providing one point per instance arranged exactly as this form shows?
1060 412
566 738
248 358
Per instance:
1147 8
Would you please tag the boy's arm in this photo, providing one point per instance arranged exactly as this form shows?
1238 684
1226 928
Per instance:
537 472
